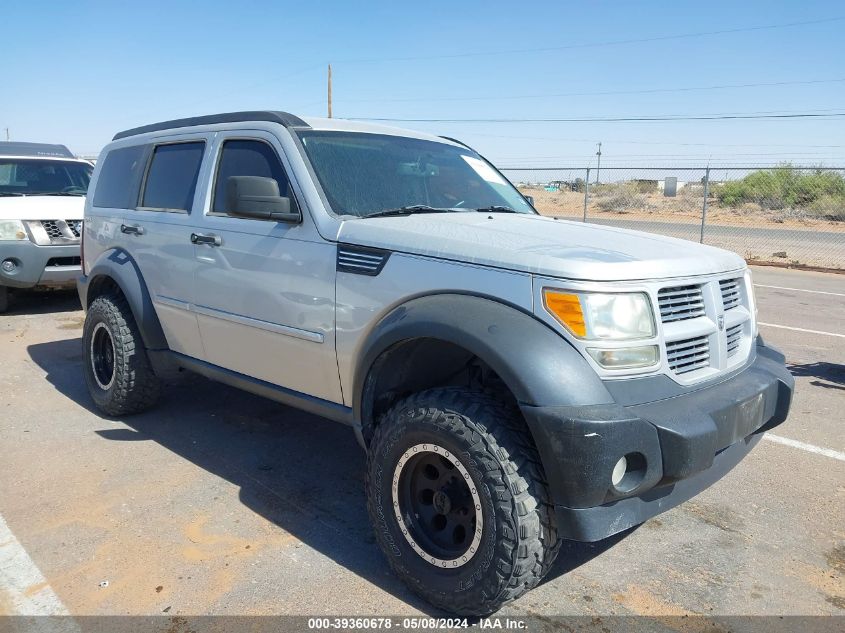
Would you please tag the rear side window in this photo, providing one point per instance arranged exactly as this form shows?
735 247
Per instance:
172 176
120 178
247 158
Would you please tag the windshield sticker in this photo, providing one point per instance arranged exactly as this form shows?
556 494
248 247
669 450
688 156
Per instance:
484 170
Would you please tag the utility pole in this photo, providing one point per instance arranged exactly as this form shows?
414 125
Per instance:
330 91
7 134
598 167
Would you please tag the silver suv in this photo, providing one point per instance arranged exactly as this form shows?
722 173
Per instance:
516 380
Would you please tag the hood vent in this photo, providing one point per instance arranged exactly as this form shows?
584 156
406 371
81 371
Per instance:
361 260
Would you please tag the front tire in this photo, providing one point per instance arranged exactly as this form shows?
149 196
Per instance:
458 500
117 370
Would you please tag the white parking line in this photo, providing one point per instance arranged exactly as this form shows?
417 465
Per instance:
800 329
818 292
810 448
24 589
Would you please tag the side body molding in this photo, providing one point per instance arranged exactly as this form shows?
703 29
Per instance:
536 363
118 266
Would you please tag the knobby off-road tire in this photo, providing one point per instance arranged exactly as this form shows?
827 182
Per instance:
491 449
117 370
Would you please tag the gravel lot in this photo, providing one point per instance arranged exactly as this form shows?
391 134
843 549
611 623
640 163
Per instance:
219 502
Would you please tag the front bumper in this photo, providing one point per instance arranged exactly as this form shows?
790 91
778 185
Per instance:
50 266
676 446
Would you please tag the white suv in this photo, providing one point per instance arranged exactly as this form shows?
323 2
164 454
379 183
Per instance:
42 197
515 380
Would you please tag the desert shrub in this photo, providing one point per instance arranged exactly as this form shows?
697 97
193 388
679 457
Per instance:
786 188
623 196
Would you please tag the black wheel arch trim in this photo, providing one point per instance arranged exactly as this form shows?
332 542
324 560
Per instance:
536 363
118 266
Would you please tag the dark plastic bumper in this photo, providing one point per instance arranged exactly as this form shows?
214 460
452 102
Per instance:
675 447
39 265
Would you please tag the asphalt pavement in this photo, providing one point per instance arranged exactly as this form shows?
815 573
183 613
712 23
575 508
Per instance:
219 502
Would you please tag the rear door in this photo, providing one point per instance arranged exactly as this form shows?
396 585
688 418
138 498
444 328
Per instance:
264 293
157 232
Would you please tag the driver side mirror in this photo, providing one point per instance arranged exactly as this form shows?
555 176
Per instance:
530 200
258 198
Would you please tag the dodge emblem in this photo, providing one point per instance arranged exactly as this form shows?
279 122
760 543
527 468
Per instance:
721 322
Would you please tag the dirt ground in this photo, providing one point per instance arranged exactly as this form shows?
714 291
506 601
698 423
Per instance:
682 208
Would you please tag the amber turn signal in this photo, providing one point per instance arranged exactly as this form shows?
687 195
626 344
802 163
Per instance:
566 308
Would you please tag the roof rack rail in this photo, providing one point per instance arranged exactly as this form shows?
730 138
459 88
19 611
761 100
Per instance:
15 148
272 116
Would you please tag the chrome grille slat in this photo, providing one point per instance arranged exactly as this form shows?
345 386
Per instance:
730 293
734 338
689 354
678 303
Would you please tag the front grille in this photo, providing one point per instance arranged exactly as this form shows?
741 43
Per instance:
730 293
680 302
688 355
75 227
52 229
61 231
734 338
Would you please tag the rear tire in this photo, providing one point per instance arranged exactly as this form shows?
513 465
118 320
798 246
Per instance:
117 370
510 540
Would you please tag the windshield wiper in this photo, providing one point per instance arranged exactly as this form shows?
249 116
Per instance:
408 210
497 209
58 193
11 193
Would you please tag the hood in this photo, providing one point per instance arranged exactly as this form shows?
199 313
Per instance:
42 207
541 245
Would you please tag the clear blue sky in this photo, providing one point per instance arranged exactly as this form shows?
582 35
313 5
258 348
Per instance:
78 72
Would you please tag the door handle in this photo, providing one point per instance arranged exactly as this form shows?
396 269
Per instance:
132 230
211 240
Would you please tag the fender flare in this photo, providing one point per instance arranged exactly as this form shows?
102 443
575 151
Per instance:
536 363
118 266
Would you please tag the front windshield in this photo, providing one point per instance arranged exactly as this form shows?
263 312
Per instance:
39 177
363 173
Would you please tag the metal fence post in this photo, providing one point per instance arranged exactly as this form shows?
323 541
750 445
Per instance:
704 206
586 192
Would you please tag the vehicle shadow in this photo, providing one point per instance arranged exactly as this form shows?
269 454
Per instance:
42 302
302 472
827 375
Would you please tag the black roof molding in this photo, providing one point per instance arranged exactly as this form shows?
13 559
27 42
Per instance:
271 116
14 148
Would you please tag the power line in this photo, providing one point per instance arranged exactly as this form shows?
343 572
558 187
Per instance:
546 49
596 94
629 142
702 117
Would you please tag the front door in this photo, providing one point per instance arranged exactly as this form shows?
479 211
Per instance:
264 291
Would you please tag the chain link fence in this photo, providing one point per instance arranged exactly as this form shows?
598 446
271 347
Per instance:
786 214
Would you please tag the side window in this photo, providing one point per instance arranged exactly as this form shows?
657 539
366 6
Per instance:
172 176
120 178
247 158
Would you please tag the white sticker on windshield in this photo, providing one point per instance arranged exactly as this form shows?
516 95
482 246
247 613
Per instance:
484 170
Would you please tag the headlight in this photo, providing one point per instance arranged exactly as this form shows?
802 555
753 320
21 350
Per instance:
12 230
598 316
